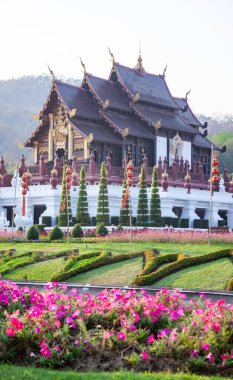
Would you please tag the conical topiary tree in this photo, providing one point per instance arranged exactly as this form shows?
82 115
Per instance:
102 208
83 216
124 219
155 208
62 217
142 210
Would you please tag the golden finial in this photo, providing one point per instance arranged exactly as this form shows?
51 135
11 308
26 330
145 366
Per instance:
52 73
105 104
111 54
84 67
136 97
157 124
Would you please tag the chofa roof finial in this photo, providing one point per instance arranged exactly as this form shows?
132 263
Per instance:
84 67
52 73
112 56
186 95
164 71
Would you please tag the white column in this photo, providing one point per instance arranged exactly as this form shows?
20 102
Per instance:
188 212
214 216
50 138
70 142
36 152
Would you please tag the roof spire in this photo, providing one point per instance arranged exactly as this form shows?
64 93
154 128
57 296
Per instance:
52 73
113 59
139 68
84 67
164 71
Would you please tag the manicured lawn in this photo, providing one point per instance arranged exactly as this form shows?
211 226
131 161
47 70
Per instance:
213 275
121 273
23 373
38 271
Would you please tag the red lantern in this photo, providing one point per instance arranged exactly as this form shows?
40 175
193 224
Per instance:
215 161
130 165
215 170
24 191
68 186
68 170
68 179
130 174
24 177
130 182
215 179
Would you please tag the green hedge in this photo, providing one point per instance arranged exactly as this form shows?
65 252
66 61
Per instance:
115 220
90 261
181 262
167 220
184 223
47 220
222 223
230 284
201 223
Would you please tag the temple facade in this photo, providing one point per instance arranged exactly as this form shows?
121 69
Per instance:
131 115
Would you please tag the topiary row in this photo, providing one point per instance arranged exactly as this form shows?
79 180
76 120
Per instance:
181 262
90 261
153 261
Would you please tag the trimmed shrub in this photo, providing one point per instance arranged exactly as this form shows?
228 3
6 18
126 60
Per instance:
201 223
101 230
102 215
169 221
56 234
184 223
40 227
124 212
222 223
142 210
47 220
82 216
32 233
77 231
155 207
230 285
64 204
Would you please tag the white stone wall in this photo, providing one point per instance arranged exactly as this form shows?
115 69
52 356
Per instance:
174 197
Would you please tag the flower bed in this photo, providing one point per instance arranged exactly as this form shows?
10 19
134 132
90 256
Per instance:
114 330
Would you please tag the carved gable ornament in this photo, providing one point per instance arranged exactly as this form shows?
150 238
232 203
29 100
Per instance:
59 134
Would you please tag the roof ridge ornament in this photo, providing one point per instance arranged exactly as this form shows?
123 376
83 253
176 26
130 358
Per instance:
52 73
139 68
83 65
112 56
105 104
164 71
136 97
186 95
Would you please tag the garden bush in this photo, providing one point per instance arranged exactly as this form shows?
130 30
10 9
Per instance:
184 223
115 220
101 230
40 227
56 234
32 233
47 220
77 231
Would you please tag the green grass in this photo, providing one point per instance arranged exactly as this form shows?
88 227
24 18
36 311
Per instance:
38 271
28 373
121 273
213 275
115 247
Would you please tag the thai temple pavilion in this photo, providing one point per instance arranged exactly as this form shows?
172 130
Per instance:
132 114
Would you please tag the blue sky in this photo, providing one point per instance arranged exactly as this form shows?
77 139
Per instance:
194 37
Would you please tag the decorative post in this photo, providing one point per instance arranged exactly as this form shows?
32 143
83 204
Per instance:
22 167
92 164
24 192
226 180
164 182
174 170
159 170
42 168
74 181
182 164
53 179
74 164
187 184
109 165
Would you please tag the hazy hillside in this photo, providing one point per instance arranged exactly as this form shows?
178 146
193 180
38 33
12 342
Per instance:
23 97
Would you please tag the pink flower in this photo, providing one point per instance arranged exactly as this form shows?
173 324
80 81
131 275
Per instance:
205 346
145 355
194 353
151 339
121 336
224 357
108 334
10 331
45 352
216 327
210 357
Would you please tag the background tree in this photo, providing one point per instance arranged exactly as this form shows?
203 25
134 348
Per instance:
155 207
124 212
142 210
62 217
83 216
103 209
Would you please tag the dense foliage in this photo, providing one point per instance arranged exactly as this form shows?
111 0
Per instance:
65 213
155 207
114 330
142 210
77 231
83 216
124 211
32 233
56 233
102 208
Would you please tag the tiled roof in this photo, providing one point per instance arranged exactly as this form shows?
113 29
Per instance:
188 116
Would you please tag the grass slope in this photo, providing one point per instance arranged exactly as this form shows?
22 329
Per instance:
121 273
24 373
213 275
38 271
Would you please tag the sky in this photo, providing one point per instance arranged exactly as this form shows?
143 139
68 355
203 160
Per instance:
193 37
